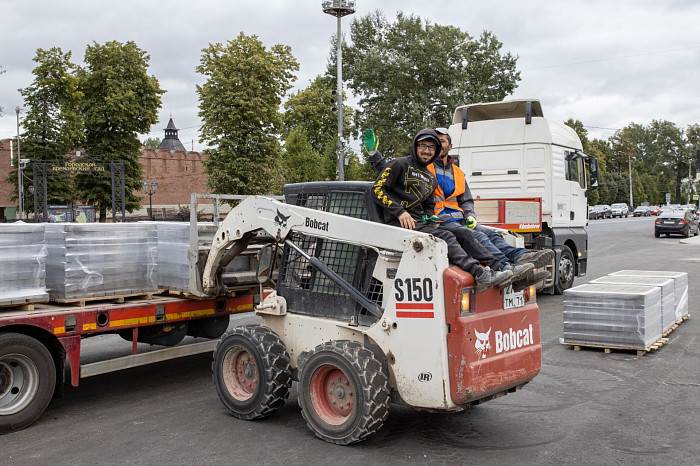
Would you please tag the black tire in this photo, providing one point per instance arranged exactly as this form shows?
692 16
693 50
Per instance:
27 381
686 232
565 271
251 372
209 327
657 234
343 392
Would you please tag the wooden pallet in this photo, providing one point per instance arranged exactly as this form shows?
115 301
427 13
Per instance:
609 349
112 299
18 307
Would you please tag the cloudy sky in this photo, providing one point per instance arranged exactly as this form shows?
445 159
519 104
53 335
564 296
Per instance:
606 63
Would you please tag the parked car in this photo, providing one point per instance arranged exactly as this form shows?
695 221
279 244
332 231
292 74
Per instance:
593 214
677 222
655 210
620 209
642 211
605 210
691 207
598 211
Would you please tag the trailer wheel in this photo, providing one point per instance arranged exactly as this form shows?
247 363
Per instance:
27 381
565 271
343 392
251 372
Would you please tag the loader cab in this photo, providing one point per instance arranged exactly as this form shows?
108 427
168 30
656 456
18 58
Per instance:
311 293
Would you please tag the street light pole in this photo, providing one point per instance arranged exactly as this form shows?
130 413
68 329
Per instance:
19 168
339 8
150 189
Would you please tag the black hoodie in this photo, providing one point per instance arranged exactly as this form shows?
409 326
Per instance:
406 184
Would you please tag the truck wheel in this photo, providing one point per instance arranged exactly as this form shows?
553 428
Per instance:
251 372
27 381
565 271
343 392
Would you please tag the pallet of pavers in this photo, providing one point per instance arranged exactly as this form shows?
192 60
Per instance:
88 261
680 284
668 296
613 316
22 264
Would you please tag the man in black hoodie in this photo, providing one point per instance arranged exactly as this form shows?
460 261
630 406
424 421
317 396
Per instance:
404 190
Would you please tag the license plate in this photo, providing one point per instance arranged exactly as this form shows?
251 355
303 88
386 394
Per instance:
512 299
669 223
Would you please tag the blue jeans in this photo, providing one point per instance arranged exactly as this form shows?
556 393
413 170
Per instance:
503 251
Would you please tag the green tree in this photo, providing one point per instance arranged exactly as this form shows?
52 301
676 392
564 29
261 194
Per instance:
150 143
412 73
239 104
52 125
309 111
120 102
301 162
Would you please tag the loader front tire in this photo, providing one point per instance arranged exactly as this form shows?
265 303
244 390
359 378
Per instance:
343 392
251 372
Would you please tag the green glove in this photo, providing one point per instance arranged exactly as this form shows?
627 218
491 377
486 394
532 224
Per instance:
430 219
370 140
470 222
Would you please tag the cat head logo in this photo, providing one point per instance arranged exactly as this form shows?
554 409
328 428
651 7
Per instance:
281 220
482 344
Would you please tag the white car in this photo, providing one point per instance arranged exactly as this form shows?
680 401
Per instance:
620 209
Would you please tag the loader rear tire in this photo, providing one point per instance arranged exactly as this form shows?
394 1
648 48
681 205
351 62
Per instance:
27 381
343 392
251 372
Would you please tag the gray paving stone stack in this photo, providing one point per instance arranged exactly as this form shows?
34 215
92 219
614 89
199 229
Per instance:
22 264
668 296
680 286
616 316
173 262
92 260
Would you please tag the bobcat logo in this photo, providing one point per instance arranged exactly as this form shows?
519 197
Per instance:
482 344
281 220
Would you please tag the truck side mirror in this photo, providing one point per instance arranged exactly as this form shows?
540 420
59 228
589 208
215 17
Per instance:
266 264
593 164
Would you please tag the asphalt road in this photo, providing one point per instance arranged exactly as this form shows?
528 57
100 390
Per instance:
585 407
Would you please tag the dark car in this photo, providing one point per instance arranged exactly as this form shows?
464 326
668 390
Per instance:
676 222
604 210
642 211
592 213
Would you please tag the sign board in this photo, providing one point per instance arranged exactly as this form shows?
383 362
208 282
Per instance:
668 198
696 197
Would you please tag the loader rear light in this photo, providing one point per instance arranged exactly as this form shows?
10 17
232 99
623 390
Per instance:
467 304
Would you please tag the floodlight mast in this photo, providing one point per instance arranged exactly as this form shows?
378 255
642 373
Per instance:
339 8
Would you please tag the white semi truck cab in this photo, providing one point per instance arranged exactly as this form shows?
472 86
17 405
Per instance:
521 165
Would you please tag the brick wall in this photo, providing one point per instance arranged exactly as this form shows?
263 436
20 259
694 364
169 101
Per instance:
178 175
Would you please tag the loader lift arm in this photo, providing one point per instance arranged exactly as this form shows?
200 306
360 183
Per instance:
279 220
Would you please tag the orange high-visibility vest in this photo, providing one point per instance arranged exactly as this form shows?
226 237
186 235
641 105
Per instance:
450 202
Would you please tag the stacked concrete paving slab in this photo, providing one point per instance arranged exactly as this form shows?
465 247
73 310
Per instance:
680 286
100 260
173 262
668 297
615 316
22 264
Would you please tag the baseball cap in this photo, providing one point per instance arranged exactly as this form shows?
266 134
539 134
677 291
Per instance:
444 132
423 137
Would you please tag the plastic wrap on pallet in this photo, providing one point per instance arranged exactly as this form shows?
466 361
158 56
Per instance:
22 264
95 260
173 258
668 296
623 316
680 286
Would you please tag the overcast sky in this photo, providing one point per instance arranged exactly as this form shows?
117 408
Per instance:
606 63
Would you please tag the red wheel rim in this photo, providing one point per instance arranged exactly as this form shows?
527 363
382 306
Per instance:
240 373
332 396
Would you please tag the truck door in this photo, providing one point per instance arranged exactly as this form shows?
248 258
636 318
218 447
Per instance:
576 176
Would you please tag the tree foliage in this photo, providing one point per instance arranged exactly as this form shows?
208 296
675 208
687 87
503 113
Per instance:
151 143
412 73
239 106
120 101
